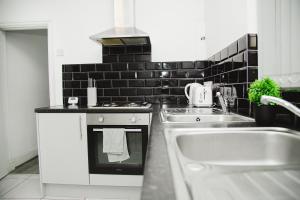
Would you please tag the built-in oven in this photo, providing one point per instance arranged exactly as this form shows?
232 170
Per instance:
136 128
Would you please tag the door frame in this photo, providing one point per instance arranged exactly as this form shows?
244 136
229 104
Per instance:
33 25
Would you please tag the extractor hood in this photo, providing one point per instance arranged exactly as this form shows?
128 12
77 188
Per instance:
124 32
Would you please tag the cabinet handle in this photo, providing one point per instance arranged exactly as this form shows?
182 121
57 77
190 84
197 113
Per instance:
80 126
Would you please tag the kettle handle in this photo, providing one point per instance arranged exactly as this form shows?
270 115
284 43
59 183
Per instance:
185 91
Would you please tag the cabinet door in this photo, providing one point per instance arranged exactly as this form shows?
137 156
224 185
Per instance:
63 148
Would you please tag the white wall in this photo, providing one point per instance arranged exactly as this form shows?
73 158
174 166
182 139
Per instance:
175 29
279 43
27 88
228 20
4 167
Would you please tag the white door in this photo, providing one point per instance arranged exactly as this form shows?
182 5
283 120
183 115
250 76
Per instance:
4 162
63 148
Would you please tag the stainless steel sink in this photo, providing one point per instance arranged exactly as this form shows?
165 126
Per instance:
199 115
241 147
235 163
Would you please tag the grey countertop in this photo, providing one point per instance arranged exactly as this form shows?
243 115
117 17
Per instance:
158 180
65 109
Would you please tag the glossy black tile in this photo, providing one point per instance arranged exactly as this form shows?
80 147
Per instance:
252 41
141 99
128 91
99 92
71 84
103 84
110 58
103 67
67 76
238 61
128 75
136 83
186 65
67 92
111 92
201 64
96 75
71 68
242 43
161 74
136 66
142 57
105 50
242 76
134 49
169 83
233 49
251 57
224 54
117 50
126 58
119 99
145 74
80 76
119 83
252 74
169 66
153 83
119 66
186 81
83 84
112 75
88 67
147 49
79 92
177 91
161 91
144 91
153 65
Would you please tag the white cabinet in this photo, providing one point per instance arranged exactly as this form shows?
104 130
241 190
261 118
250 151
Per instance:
63 154
279 41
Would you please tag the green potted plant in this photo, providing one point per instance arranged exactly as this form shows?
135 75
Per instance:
264 114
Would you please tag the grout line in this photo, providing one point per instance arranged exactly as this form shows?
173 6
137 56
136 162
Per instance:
17 185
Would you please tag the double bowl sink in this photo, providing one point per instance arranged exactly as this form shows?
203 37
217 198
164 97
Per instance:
233 163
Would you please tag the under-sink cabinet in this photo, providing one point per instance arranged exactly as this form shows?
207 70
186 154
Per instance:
63 153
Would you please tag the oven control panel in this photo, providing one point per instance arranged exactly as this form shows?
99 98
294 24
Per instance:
119 119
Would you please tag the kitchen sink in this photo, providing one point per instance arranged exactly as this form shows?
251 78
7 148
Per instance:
200 115
242 147
235 163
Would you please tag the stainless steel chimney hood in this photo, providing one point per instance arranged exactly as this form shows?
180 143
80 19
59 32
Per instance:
124 31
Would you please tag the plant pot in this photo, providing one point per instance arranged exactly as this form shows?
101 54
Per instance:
264 115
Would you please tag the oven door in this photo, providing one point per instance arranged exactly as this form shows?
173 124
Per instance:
137 139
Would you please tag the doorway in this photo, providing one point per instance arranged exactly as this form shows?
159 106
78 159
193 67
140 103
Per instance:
26 88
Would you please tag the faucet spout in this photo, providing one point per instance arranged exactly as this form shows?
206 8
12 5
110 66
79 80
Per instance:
269 99
222 102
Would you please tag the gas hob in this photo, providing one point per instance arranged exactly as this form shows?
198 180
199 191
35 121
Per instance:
127 105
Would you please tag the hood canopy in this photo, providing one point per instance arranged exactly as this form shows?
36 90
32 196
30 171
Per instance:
124 32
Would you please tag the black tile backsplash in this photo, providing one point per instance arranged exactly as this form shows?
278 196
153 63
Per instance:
127 74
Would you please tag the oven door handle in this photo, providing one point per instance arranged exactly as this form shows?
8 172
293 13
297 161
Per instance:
126 130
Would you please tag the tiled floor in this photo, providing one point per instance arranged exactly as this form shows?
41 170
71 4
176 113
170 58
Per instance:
24 183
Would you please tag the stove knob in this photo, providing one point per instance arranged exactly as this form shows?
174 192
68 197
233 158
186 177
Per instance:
101 119
133 119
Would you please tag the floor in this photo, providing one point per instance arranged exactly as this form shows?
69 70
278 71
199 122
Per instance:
23 183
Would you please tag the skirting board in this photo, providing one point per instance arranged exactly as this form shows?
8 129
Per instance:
57 191
22 159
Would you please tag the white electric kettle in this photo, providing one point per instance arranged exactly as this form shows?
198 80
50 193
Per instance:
195 95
